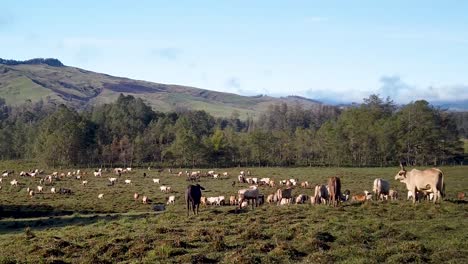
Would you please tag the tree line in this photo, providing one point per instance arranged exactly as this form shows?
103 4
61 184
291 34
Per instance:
130 133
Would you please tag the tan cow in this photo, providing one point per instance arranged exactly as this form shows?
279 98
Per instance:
334 188
426 181
232 200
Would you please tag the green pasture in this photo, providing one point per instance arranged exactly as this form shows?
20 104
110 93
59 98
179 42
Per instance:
80 228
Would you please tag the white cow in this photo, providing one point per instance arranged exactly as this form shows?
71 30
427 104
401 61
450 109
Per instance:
165 188
426 181
381 188
156 181
171 199
249 194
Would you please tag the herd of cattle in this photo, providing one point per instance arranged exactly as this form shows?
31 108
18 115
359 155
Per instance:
426 184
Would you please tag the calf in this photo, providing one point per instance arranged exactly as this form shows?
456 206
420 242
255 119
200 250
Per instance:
165 188
232 200
271 198
393 194
359 198
171 199
301 199
461 196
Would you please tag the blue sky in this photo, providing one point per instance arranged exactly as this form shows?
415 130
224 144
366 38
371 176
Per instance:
327 50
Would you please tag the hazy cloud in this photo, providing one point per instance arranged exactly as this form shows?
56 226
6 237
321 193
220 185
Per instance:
169 53
403 92
233 82
5 20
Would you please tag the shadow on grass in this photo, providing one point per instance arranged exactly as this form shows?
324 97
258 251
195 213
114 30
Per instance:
17 218
28 211
456 201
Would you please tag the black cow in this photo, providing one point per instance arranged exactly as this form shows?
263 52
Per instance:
65 191
192 196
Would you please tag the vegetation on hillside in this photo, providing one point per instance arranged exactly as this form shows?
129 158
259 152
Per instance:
129 132
46 81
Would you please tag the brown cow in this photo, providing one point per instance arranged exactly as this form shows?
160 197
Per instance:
334 188
461 196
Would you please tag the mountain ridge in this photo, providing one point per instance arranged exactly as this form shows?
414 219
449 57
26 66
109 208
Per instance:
53 82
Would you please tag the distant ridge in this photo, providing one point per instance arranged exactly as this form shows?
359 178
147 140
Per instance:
48 61
50 81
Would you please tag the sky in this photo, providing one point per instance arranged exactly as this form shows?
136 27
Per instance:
336 51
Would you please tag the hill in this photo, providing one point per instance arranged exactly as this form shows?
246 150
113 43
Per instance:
53 82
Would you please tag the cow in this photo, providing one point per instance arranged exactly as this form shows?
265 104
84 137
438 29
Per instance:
381 188
425 181
284 194
302 198
321 194
334 188
248 194
393 194
192 198
359 198
461 196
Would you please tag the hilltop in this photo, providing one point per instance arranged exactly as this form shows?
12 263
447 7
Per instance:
53 82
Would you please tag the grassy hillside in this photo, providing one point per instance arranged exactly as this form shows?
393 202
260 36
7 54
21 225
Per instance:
373 232
80 89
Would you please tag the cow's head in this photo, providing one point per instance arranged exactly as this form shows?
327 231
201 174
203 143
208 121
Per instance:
401 175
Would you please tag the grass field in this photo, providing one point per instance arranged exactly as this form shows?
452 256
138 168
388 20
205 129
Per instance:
80 228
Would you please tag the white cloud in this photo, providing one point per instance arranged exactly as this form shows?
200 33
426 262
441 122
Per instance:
403 92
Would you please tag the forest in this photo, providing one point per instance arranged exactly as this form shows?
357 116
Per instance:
130 133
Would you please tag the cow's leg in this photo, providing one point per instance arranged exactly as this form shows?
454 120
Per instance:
414 195
188 208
